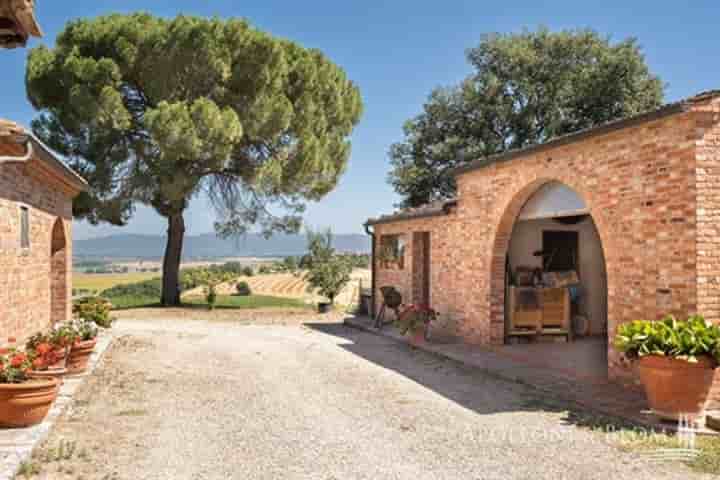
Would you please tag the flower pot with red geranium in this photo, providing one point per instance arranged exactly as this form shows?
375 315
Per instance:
54 350
414 321
24 401
47 361
83 346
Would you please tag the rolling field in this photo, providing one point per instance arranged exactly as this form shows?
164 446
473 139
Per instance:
102 281
290 286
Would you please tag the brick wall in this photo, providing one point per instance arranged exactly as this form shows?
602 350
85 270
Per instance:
652 190
26 274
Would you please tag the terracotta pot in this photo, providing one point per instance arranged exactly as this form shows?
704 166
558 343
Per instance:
676 387
80 353
25 404
52 372
417 337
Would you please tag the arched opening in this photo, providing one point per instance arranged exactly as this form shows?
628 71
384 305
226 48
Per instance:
58 274
553 283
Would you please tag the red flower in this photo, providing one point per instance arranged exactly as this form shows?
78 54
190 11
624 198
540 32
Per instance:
43 349
38 363
17 360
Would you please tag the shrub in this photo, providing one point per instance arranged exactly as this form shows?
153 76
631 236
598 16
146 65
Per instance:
210 296
685 339
248 272
146 288
243 289
94 309
328 272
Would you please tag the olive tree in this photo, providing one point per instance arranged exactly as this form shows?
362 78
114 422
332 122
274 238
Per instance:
157 111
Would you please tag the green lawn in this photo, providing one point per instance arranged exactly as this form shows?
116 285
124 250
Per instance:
223 302
251 302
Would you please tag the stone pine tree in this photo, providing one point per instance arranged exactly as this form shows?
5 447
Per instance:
156 111
526 89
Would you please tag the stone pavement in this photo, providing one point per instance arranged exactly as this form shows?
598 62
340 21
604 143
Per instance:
17 444
588 394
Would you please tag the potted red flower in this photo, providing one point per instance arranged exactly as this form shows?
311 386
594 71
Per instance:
414 321
24 401
84 341
47 361
54 350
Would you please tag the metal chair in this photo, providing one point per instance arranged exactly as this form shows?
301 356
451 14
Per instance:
392 299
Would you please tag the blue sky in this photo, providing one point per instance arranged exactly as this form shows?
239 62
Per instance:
397 51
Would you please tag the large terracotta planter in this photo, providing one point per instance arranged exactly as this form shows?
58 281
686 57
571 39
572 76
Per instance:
418 336
676 387
26 404
79 357
52 372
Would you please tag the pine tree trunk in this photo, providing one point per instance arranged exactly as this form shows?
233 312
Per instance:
171 262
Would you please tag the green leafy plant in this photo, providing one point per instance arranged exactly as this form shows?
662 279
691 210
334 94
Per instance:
94 309
64 335
683 339
243 289
211 296
85 330
414 318
328 272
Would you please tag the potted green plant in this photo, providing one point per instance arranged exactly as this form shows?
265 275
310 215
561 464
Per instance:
414 322
676 361
24 401
85 339
94 309
327 272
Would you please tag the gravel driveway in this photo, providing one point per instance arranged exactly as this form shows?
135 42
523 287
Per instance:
215 400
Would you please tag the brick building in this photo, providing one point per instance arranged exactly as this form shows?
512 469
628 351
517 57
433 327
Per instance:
36 192
643 205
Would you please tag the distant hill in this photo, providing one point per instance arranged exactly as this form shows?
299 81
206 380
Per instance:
210 246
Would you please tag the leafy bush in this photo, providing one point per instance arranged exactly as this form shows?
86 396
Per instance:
210 296
146 288
94 309
685 339
327 272
248 272
243 289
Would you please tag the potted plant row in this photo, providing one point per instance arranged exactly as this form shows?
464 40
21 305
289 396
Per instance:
30 379
676 362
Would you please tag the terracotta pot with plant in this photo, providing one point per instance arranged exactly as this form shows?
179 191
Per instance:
414 321
676 361
24 401
54 349
47 361
85 339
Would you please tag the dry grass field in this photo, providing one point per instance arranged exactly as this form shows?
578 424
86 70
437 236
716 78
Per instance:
291 286
101 281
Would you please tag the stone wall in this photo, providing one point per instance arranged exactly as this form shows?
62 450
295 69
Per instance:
651 190
26 274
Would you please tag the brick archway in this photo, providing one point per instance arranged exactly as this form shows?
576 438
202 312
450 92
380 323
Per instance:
58 273
501 243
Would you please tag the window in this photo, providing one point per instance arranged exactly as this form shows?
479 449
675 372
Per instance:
24 227
560 250
392 251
